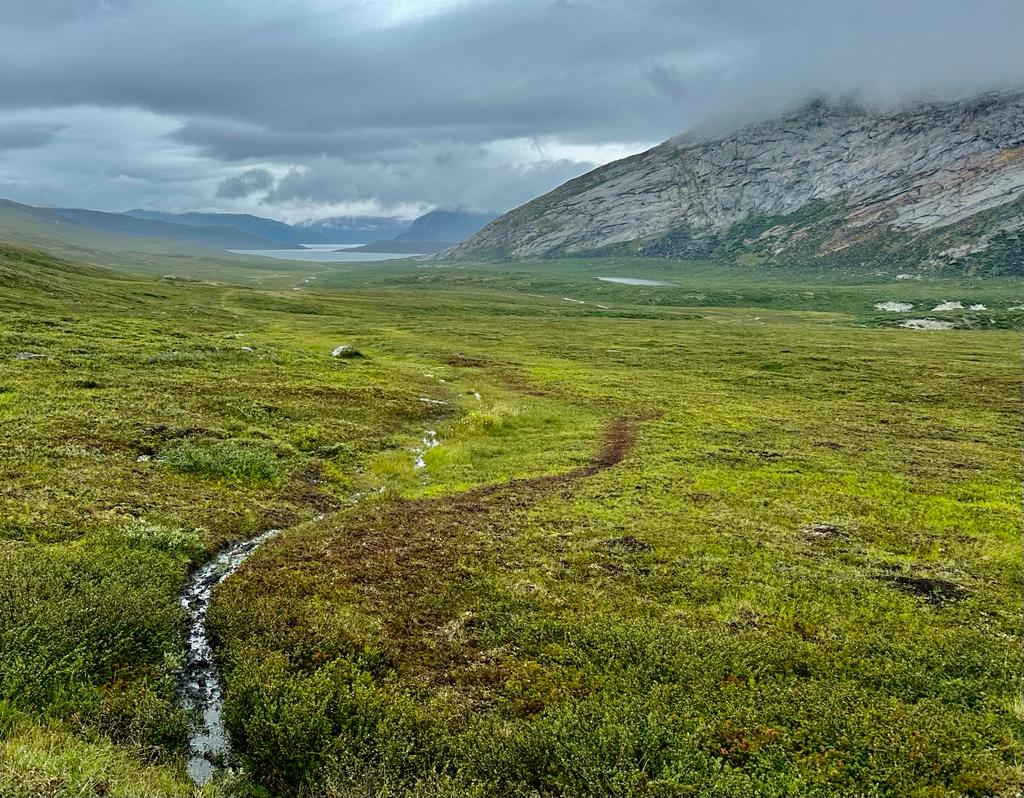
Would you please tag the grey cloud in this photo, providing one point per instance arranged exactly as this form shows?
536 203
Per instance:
47 13
231 141
249 182
27 135
331 92
570 69
454 179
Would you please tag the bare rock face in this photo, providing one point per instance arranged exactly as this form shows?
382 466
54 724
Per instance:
909 172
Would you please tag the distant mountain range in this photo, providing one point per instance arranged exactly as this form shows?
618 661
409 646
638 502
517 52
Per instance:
194 244
267 229
218 236
431 232
933 187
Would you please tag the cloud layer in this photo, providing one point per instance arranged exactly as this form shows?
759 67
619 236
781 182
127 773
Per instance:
316 107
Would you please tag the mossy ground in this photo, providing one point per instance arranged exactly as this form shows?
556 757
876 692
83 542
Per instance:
800 577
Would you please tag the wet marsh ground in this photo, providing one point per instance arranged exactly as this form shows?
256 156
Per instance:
751 543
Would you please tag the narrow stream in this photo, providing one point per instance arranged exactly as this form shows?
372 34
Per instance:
199 688
429 442
199 685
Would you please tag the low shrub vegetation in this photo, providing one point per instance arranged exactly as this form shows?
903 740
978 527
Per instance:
729 537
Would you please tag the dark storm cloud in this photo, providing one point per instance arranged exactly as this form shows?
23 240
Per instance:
249 182
374 90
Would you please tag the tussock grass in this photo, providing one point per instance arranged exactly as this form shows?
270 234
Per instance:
40 762
231 460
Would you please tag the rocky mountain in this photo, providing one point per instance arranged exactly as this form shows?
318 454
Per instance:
448 226
934 186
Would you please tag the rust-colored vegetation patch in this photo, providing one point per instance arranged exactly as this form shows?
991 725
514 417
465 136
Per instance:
460 360
398 559
518 383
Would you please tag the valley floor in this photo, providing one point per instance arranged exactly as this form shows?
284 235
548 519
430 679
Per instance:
733 537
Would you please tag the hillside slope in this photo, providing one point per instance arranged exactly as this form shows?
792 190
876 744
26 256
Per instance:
933 186
445 226
46 229
215 236
268 229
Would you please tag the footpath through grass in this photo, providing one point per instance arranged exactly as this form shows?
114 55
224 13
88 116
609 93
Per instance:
799 574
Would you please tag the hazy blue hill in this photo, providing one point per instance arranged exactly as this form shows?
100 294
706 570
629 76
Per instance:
444 227
59 235
269 229
447 226
219 237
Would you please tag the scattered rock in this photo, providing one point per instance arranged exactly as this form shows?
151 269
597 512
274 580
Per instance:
979 306
894 307
28 356
347 352
824 531
927 324
942 306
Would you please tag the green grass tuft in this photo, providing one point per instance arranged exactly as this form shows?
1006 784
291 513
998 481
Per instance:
231 460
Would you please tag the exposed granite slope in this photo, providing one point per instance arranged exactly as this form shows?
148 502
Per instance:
913 171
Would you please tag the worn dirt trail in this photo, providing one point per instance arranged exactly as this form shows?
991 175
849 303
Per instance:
398 556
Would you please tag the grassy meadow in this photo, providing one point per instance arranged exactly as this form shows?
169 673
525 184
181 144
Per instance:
737 536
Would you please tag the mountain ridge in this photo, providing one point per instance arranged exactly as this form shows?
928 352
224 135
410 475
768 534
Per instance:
271 229
863 175
445 226
215 236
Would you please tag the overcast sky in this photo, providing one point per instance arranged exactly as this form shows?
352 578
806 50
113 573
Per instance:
306 108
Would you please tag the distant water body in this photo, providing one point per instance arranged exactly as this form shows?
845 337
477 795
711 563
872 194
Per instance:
634 281
324 253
